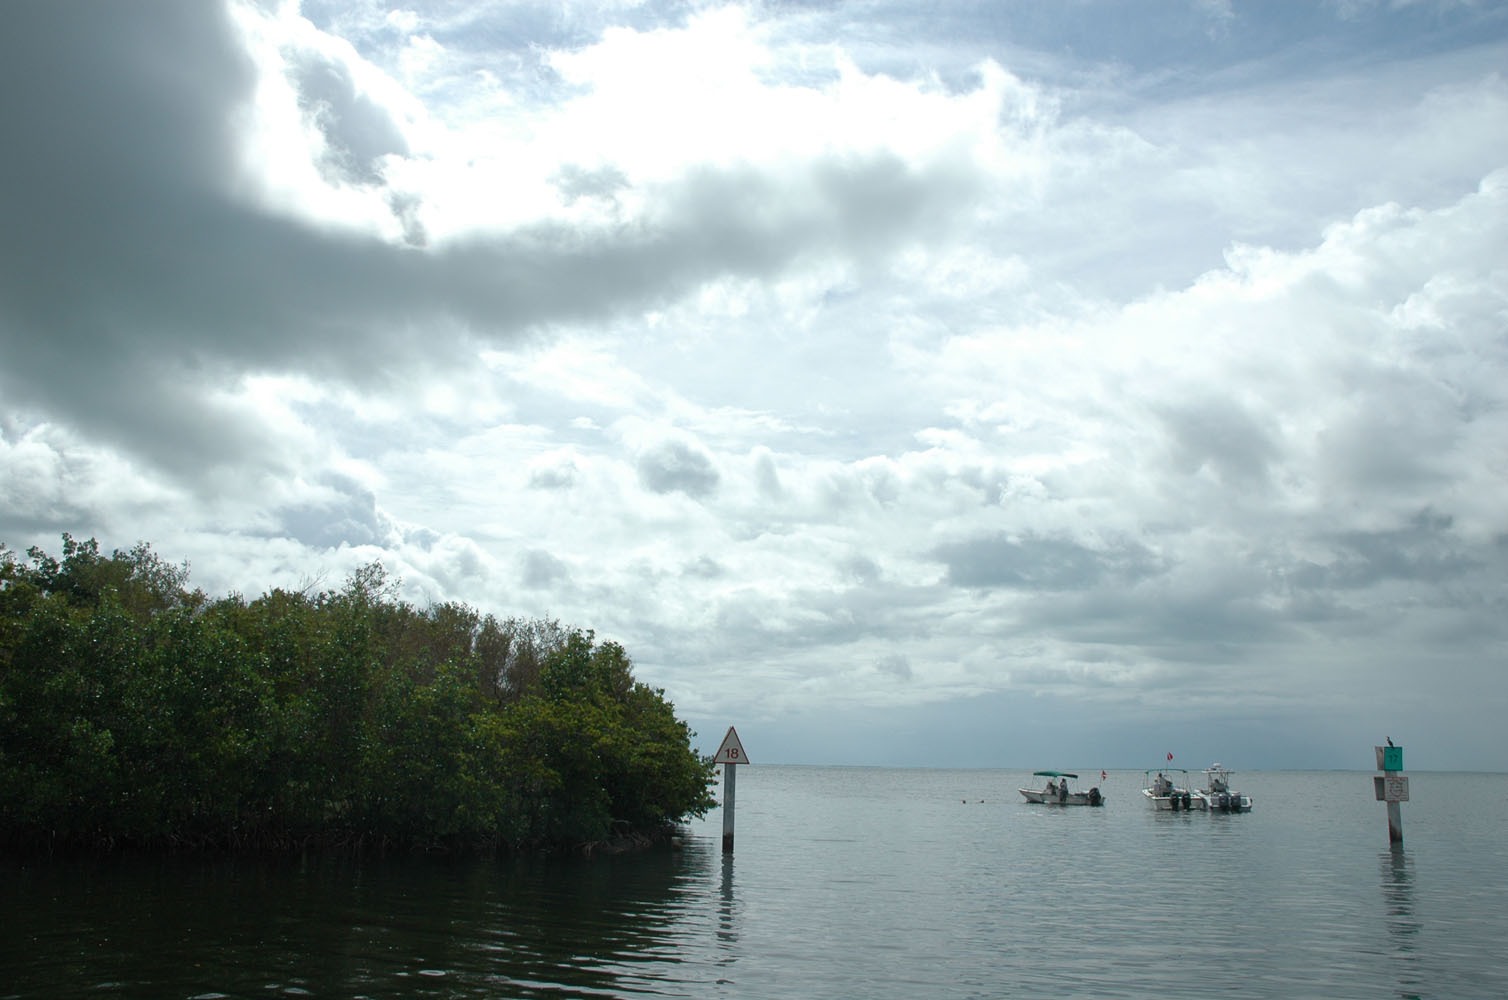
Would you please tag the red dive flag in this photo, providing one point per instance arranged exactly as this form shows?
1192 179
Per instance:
1170 755
1102 775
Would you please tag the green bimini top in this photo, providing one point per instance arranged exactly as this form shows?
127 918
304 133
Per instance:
1054 774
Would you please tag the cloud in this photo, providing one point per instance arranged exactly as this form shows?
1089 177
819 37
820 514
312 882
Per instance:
896 665
344 515
891 376
1425 550
676 466
1041 564
140 240
358 131
1220 435
542 570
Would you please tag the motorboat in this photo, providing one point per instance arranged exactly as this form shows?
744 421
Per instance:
1166 793
1056 792
1217 794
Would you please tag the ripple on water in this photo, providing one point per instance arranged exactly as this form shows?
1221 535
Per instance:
845 882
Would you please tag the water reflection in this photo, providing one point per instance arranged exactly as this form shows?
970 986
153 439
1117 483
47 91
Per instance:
407 927
934 901
725 931
727 935
1403 927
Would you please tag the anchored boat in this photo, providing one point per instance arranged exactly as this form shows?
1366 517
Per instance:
1058 793
1217 795
1166 794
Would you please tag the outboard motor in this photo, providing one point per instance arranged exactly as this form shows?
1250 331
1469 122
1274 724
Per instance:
1094 796
1188 801
1224 801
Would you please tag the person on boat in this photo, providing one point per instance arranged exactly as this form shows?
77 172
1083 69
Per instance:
1052 787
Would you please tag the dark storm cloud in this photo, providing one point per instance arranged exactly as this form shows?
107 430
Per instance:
135 281
1034 562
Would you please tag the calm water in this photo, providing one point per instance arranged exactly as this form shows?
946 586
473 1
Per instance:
846 882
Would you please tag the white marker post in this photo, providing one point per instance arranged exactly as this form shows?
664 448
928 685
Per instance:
729 755
1391 787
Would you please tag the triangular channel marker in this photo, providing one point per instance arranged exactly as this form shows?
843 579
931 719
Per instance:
732 751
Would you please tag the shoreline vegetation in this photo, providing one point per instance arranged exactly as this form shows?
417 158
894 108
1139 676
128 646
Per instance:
137 714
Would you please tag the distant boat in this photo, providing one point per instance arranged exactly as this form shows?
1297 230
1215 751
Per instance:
1057 793
1217 795
1166 794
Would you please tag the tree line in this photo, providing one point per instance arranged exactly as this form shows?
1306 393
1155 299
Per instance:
136 712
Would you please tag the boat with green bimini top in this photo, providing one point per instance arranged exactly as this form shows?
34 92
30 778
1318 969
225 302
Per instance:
1058 793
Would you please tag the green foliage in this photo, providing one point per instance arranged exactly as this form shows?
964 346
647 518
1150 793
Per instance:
136 712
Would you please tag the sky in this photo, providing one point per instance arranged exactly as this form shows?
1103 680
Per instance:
998 384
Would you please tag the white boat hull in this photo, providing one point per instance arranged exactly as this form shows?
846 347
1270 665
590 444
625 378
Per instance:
1178 800
1041 797
1228 802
